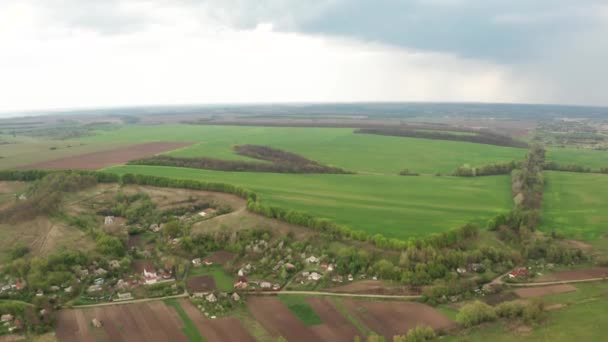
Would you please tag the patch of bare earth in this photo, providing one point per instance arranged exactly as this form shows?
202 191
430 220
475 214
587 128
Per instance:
335 327
221 257
590 273
7 187
278 320
216 330
579 245
374 287
539 291
102 159
152 321
390 318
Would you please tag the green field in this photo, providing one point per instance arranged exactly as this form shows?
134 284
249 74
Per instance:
584 319
395 206
575 204
340 147
301 309
589 158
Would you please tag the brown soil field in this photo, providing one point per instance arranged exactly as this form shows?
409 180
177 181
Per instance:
390 318
590 273
221 257
10 187
216 330
539 291
374 287
335 327
278 320
152 321
201 284
102 159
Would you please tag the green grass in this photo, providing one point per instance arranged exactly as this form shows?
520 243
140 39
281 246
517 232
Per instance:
390 205
301 309
575 204
340 147
223 281
584 321
189 328
589 158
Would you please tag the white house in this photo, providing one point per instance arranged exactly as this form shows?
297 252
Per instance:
211 298
312 259
314 276
108 220
150 277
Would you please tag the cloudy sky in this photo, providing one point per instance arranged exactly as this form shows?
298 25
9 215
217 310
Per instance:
88 53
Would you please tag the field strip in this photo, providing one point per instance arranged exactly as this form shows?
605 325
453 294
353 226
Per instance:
143 300
335 294
557 282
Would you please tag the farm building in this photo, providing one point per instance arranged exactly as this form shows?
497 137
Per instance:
520 272
6 318
108 220
96 323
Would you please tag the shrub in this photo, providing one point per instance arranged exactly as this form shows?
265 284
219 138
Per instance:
475 313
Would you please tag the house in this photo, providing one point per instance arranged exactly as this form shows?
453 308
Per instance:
312 259
290 266
241 283
324 265
350 277
40 293
235 297
208 262
100 272
18 285
114 264
211 298
461 270
330 268
6 318
99 281
305 274
55 288
94 288
125 296
22 197
477 267
265 285
314 276
96 323
520 272
337 279
197 262
108 220
68 289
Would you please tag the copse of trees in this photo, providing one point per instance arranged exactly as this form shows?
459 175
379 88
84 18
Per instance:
487 170
478 312
280 162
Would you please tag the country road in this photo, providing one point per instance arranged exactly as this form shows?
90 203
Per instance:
142 300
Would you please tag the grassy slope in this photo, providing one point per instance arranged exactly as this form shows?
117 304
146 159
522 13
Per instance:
590 158
391 205
584 319
575 204
331 146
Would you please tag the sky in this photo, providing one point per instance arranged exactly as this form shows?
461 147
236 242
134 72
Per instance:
74 53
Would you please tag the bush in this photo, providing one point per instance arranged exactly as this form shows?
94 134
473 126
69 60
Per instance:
476 313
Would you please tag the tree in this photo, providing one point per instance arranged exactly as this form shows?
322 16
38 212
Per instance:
475 313
110 245
171 229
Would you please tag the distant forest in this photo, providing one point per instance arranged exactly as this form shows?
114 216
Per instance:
479 137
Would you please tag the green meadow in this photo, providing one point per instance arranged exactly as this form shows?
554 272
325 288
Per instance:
589 158
575 204
395 206
340 147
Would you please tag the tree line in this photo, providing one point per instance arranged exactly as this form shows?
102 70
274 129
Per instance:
487 170
478 137
280 162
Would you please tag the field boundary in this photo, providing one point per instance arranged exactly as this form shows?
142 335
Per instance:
133 301
334 294
557 282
